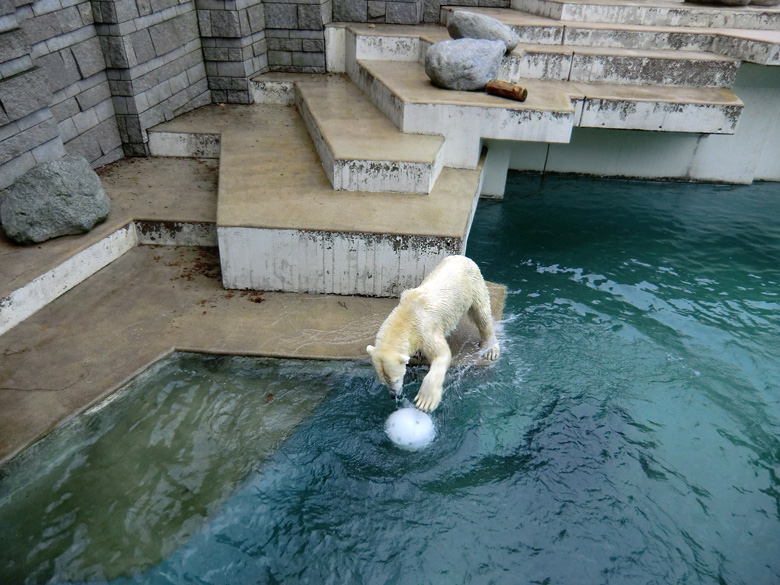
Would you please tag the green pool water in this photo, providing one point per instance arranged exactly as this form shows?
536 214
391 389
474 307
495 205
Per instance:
629 434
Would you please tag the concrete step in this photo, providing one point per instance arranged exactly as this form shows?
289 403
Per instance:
656 13
402 90
360 148
281 226
404 93
619 66
755 46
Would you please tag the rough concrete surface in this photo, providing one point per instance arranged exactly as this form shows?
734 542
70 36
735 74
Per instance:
155 300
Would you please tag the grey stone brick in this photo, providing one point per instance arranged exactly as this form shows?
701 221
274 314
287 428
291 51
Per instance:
43 27
70 19
93 96
144 7
159 93
121 88
142 45
84 145
376 10
28 139
310 46
179 82
129 129
24 93
60 68
285 45
15 168
108 158
67 130
89 57
33 119
15 66
13 44
309 17
196 73
51 150
160 5
326 9
231 69
85 11
350 11
204 23
115 52
125 10
256 15
174 33
276 58
104 110
281 16
225 23
85 120
135 149
7 7
65 109
403 13
308 59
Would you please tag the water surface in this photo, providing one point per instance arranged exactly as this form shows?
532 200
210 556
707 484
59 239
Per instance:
630 432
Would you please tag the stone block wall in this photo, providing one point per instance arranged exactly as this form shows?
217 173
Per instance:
89 77
383 11
432 8
29 133
154 62
234 46
401 11
296 34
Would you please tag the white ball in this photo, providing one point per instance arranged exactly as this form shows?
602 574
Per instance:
410 429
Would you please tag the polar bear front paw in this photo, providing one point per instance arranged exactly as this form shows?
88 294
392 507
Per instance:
428 397
492 352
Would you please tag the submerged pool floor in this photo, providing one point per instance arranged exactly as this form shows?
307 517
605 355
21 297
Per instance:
630 432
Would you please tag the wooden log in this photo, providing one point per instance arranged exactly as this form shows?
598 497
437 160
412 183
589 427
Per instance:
507 90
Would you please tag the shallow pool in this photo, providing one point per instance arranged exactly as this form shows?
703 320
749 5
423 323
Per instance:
630 432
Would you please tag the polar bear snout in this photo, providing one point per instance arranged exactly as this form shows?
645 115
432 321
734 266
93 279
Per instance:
396 389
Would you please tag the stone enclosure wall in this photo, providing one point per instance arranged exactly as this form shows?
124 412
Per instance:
89 77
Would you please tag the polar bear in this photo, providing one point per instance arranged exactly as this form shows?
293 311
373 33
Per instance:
423 318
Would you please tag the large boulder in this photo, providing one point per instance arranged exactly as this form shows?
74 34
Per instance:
464 64
56 198
469 25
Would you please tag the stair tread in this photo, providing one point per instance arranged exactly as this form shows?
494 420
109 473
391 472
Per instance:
355 129
270 177
409 82
513 17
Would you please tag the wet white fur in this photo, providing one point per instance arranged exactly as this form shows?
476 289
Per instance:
421 322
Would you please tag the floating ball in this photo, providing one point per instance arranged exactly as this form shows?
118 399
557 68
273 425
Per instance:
410 429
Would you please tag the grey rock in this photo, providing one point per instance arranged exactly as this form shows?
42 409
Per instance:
57 198
464 64
468 25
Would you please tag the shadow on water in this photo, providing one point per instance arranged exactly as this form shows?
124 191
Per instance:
628 434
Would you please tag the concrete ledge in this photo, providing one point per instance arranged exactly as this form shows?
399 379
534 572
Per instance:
158 299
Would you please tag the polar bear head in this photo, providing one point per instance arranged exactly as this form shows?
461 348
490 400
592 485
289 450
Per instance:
390 368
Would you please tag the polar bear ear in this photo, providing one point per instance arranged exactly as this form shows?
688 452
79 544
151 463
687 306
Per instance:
404 359
370 349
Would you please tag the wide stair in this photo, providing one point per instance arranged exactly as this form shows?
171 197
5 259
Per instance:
358 182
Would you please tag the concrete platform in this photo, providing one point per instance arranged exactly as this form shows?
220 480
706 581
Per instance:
152 300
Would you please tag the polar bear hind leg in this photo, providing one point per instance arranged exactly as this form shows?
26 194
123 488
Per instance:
481 315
